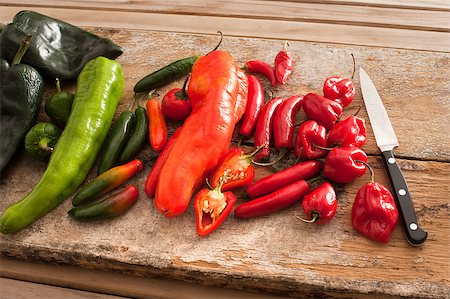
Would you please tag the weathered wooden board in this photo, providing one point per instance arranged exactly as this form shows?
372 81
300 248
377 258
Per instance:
276 254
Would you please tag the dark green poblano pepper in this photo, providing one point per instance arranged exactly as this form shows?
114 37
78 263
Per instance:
59 105
58 50
21 91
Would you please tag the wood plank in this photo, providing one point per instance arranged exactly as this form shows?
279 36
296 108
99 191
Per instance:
442 5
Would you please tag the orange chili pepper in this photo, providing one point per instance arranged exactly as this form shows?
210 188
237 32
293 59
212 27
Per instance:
157 127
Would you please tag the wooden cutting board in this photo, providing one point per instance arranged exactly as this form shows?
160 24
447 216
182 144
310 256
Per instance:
276 254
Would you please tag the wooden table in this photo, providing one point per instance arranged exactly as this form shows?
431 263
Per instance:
403 45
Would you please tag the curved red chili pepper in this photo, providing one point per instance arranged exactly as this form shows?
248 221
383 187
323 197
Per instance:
283 122
255 102
263 68
283 65
325 111
343 165
157 125
340 90
348 132
320 205
310 134
175 104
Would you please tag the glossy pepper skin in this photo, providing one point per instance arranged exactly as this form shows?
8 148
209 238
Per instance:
41 140
107 181
283 65
255 102
310 134
218 95
59 105
340 90
320 205
21 90
283 122
348 132
157 127
325 111
343 165
99 89
138 136
110 207
263 68
58 50
175 104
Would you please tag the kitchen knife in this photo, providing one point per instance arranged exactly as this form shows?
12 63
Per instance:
386 141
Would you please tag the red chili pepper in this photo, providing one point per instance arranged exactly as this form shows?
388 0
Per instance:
320 205
325 111
175 104
255 102
269 184
263 68
340 90
264 127
283 122
310 134
211 209
283 65
348 132
374 213
157 125
343 164
273 202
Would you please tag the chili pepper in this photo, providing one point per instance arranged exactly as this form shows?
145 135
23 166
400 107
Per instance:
205 136
340 90
255 103
157 127
165 75
59 105
116 141
282 198
263 68
41 139
374 213
138 137
348 132
325 111
58 50
301 171
99 89
310 134
175 103
345 164
320 205
107 181
264 127
211 208
21 93
283 122
110 207
283 65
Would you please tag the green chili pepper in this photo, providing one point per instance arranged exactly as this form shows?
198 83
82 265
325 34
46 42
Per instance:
166 75
114 144
110 207
99 89
59 105
41 140
138 138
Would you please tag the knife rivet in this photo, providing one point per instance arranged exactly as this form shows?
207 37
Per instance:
402 192
413 226
391 160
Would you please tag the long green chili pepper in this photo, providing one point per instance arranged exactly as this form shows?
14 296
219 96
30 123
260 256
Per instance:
99 89
138 138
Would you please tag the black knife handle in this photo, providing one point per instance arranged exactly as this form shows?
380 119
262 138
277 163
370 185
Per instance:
414 233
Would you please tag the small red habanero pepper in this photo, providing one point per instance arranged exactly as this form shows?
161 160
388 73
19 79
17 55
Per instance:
345 164
340 90
325 111
283 122
212 208
255 102
374 213
157 125
283 65
320 205
263 68
175 104
310 134
348 132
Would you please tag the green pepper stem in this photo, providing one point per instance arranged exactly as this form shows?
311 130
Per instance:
322 147
221 38
357 111
58 85
315 217
43 144
23 48
286 45
372 173
280 156
252 154
354 65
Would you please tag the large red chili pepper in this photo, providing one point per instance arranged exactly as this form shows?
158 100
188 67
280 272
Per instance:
211 208
283 122
348 132
374 213
345 164
264 128
263 68
325 111
340 90
255 103
283 65
309 135
273 202
320 205
270 183
156 125
217 92
175 104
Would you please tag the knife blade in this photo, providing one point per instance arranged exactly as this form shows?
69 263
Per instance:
387 141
